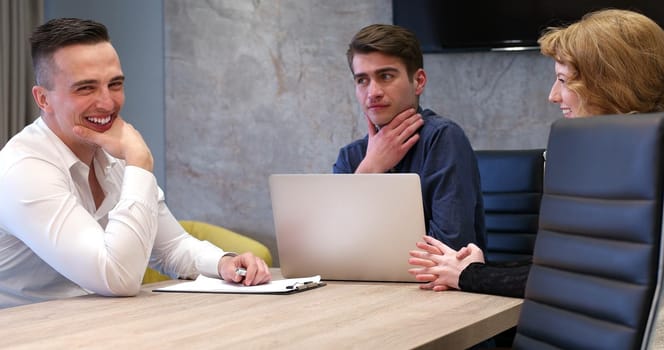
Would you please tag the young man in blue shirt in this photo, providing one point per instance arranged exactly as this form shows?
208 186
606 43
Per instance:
387 66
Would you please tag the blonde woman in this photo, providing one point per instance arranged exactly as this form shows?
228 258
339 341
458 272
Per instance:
609 62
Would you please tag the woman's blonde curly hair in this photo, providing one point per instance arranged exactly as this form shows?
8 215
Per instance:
617 61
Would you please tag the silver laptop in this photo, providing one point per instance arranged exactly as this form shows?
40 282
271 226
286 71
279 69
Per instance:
352 227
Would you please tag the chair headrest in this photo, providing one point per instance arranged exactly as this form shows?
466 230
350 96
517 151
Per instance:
607 156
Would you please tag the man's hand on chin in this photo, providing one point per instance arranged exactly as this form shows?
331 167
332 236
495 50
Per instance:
121 141
390 144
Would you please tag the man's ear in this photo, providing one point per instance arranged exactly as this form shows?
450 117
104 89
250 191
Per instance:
420 79
39 93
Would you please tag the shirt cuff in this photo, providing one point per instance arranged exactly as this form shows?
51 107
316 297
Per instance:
207 261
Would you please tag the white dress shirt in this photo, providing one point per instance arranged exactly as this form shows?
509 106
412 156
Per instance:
55 243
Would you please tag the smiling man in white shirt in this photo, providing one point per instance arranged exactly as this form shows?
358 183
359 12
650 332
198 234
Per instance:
81 209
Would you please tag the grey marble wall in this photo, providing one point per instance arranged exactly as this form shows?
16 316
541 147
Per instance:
261 87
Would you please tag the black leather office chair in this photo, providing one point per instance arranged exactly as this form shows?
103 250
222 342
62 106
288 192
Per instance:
512 190
596 264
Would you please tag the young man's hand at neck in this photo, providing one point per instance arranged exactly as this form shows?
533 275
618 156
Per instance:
388 145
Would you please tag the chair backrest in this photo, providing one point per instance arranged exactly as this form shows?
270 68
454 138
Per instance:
512 190
595 279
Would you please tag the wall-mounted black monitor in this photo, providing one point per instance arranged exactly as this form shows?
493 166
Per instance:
499 25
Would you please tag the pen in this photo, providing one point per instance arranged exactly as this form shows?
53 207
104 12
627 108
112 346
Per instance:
241 271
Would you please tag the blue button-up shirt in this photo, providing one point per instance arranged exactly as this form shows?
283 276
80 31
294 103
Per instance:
447 166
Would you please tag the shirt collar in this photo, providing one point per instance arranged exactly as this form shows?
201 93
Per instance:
66 155
105 160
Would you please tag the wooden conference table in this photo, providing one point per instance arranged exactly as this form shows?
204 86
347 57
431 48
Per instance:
340 315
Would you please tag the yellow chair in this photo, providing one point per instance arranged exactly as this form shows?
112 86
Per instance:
225 239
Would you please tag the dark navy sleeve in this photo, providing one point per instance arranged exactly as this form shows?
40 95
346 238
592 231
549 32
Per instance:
350 156
342 165
451 183
506 279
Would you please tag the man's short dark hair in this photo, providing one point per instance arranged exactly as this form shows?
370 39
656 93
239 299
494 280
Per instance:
390 40
58 33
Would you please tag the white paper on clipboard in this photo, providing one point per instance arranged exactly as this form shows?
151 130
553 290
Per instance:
204 284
